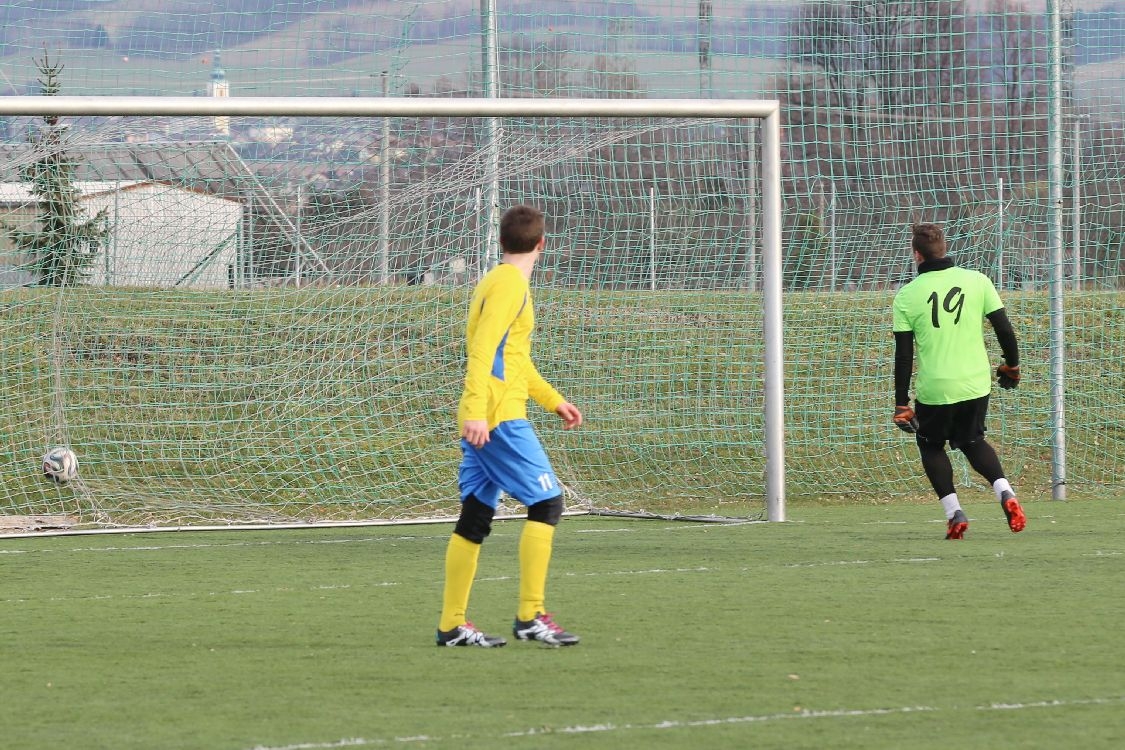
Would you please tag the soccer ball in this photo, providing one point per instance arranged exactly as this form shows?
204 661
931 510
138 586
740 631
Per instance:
60 464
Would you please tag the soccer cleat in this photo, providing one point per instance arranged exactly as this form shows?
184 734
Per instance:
1016 519
958 525
467 635
542 628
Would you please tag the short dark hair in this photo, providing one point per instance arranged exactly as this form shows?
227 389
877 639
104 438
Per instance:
928 241
521 228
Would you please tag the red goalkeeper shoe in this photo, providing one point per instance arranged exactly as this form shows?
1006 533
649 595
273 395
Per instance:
1016 519
958 525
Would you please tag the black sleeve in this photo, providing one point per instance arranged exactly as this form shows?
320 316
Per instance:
904 366
1006 335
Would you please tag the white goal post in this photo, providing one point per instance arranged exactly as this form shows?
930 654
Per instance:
769 171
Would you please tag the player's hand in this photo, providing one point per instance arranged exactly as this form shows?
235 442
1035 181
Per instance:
905 420
1008 377
570 415
475 432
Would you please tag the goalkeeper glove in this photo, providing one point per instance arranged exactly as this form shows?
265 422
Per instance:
1008 377
905 420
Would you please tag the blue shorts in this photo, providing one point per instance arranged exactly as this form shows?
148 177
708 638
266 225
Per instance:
512 461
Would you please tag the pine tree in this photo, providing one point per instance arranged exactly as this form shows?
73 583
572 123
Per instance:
63 249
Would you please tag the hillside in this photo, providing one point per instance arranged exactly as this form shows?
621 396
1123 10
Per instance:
167 46
340 47
174 28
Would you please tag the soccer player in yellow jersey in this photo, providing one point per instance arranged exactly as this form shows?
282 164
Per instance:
942 312
500 451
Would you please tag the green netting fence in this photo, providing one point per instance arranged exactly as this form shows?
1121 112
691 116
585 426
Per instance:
269 329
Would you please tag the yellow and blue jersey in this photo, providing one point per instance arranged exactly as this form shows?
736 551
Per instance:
499 374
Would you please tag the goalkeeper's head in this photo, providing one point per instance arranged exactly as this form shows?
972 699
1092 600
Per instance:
928 241
521 229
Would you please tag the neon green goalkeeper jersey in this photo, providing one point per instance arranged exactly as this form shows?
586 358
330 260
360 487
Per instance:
945 309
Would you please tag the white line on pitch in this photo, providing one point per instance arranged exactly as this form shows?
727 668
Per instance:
842 713
201 594
485 579
280 542
1052 704
862 562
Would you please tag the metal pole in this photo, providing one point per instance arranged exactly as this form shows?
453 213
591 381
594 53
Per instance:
297 249
240 251
1000 232
351 106
772 318
112 249
480 264
832 236
490 64
752 207
250 243
652 239
1055 246
385 197
1076 228
705 78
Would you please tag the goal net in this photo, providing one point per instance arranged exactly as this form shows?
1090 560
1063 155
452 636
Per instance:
273 333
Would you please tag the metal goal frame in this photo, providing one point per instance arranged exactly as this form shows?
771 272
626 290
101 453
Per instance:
767 111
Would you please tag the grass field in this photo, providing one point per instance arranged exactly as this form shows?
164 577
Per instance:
856 627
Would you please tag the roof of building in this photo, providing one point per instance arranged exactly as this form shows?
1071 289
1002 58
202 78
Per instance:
204 166
19 193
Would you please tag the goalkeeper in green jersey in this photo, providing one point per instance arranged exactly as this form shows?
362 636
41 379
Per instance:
941 314
500 451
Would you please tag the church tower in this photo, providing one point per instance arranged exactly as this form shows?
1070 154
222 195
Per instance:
219 86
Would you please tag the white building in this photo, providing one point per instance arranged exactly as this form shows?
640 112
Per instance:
161 236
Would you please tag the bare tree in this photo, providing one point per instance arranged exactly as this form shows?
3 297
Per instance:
825 36
912 51
1017 69
613 78
531 68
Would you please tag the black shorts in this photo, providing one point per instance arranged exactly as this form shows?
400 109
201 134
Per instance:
961 423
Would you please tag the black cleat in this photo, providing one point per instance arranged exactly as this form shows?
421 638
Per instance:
467 635
542 628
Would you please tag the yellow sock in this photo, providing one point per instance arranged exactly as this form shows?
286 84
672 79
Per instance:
535 557
460 569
